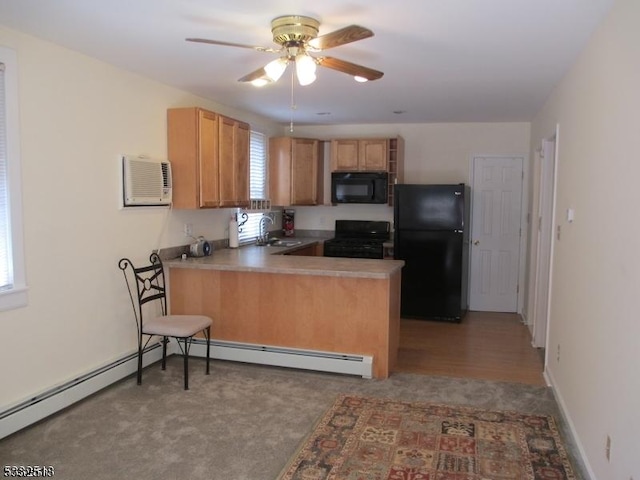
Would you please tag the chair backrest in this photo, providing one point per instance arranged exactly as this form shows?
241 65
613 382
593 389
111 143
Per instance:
149 285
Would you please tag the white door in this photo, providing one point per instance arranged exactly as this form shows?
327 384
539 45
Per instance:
544 242
496 202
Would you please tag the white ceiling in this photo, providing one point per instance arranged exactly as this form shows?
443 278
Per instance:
443 60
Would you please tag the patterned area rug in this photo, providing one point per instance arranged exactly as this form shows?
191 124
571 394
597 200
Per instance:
379 439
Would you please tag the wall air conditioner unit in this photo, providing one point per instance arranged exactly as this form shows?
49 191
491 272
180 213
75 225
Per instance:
145 182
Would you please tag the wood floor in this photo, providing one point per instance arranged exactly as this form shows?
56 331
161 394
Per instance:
489 346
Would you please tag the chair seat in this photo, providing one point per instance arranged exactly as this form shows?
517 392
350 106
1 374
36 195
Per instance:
181 326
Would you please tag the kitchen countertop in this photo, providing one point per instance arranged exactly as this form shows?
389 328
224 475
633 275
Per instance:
272 259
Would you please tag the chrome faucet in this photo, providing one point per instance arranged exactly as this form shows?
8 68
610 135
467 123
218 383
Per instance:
263 231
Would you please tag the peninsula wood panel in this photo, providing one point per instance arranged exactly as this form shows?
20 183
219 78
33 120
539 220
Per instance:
336 314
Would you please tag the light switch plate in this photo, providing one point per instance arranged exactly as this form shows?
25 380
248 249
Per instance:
570 215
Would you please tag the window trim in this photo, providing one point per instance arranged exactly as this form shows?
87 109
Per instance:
16 295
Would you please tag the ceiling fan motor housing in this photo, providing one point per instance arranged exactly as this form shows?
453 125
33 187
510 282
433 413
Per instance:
293 30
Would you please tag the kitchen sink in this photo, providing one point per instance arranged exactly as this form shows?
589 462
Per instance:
286 243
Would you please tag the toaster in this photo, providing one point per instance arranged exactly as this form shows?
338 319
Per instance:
200 248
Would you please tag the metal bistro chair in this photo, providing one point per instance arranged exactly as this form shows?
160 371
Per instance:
150 288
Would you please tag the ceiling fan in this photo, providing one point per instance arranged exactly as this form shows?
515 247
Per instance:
298 38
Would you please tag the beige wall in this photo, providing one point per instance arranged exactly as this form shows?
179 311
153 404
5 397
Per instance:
596 265
77 115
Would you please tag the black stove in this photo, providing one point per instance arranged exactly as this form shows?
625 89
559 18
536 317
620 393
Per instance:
358 239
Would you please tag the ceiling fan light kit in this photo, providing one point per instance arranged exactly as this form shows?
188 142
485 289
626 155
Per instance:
275 68
298 36
305 69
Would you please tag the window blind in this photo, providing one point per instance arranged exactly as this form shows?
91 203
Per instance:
258 167
5 242
257 184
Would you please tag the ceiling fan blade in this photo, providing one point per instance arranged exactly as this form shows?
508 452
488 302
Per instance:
349 34
231 44
250 77
349 68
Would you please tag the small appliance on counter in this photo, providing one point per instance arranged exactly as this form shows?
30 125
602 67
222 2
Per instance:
288 224
201 248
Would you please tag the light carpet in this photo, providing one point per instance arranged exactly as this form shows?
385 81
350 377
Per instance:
242 422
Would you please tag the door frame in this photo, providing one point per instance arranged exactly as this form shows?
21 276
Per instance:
541 259
524 226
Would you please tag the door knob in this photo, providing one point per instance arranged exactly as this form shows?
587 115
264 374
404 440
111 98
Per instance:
477 242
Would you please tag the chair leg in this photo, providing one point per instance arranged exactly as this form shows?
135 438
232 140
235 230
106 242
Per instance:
140 364
186 364
208 338
164 352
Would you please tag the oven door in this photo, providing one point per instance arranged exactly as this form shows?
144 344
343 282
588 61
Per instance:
359 187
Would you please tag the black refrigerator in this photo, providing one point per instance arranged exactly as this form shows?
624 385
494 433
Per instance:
431 236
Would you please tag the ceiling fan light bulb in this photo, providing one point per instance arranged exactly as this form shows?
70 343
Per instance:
308 80
360 79
276 68
305 69
259 82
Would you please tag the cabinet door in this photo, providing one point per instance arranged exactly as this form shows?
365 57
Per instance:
233 138
373 154
241 162
304 172
208 179
280 170
226 151
344 155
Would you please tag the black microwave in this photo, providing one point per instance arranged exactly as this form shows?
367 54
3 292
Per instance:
359 187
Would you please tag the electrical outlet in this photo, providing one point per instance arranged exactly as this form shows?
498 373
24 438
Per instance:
607 448
187 229
558 354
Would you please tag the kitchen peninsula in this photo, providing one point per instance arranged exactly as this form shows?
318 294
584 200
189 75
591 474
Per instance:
268 296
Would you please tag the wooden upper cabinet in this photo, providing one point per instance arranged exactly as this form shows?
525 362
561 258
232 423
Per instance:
344 155
351 155
242 161
373 154
209 155
208 192
233 138
295 176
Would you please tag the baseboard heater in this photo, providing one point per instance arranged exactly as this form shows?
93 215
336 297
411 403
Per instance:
62 396
349 364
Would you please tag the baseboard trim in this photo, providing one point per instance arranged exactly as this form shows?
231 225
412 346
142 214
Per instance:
567 418
349 364
34 409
